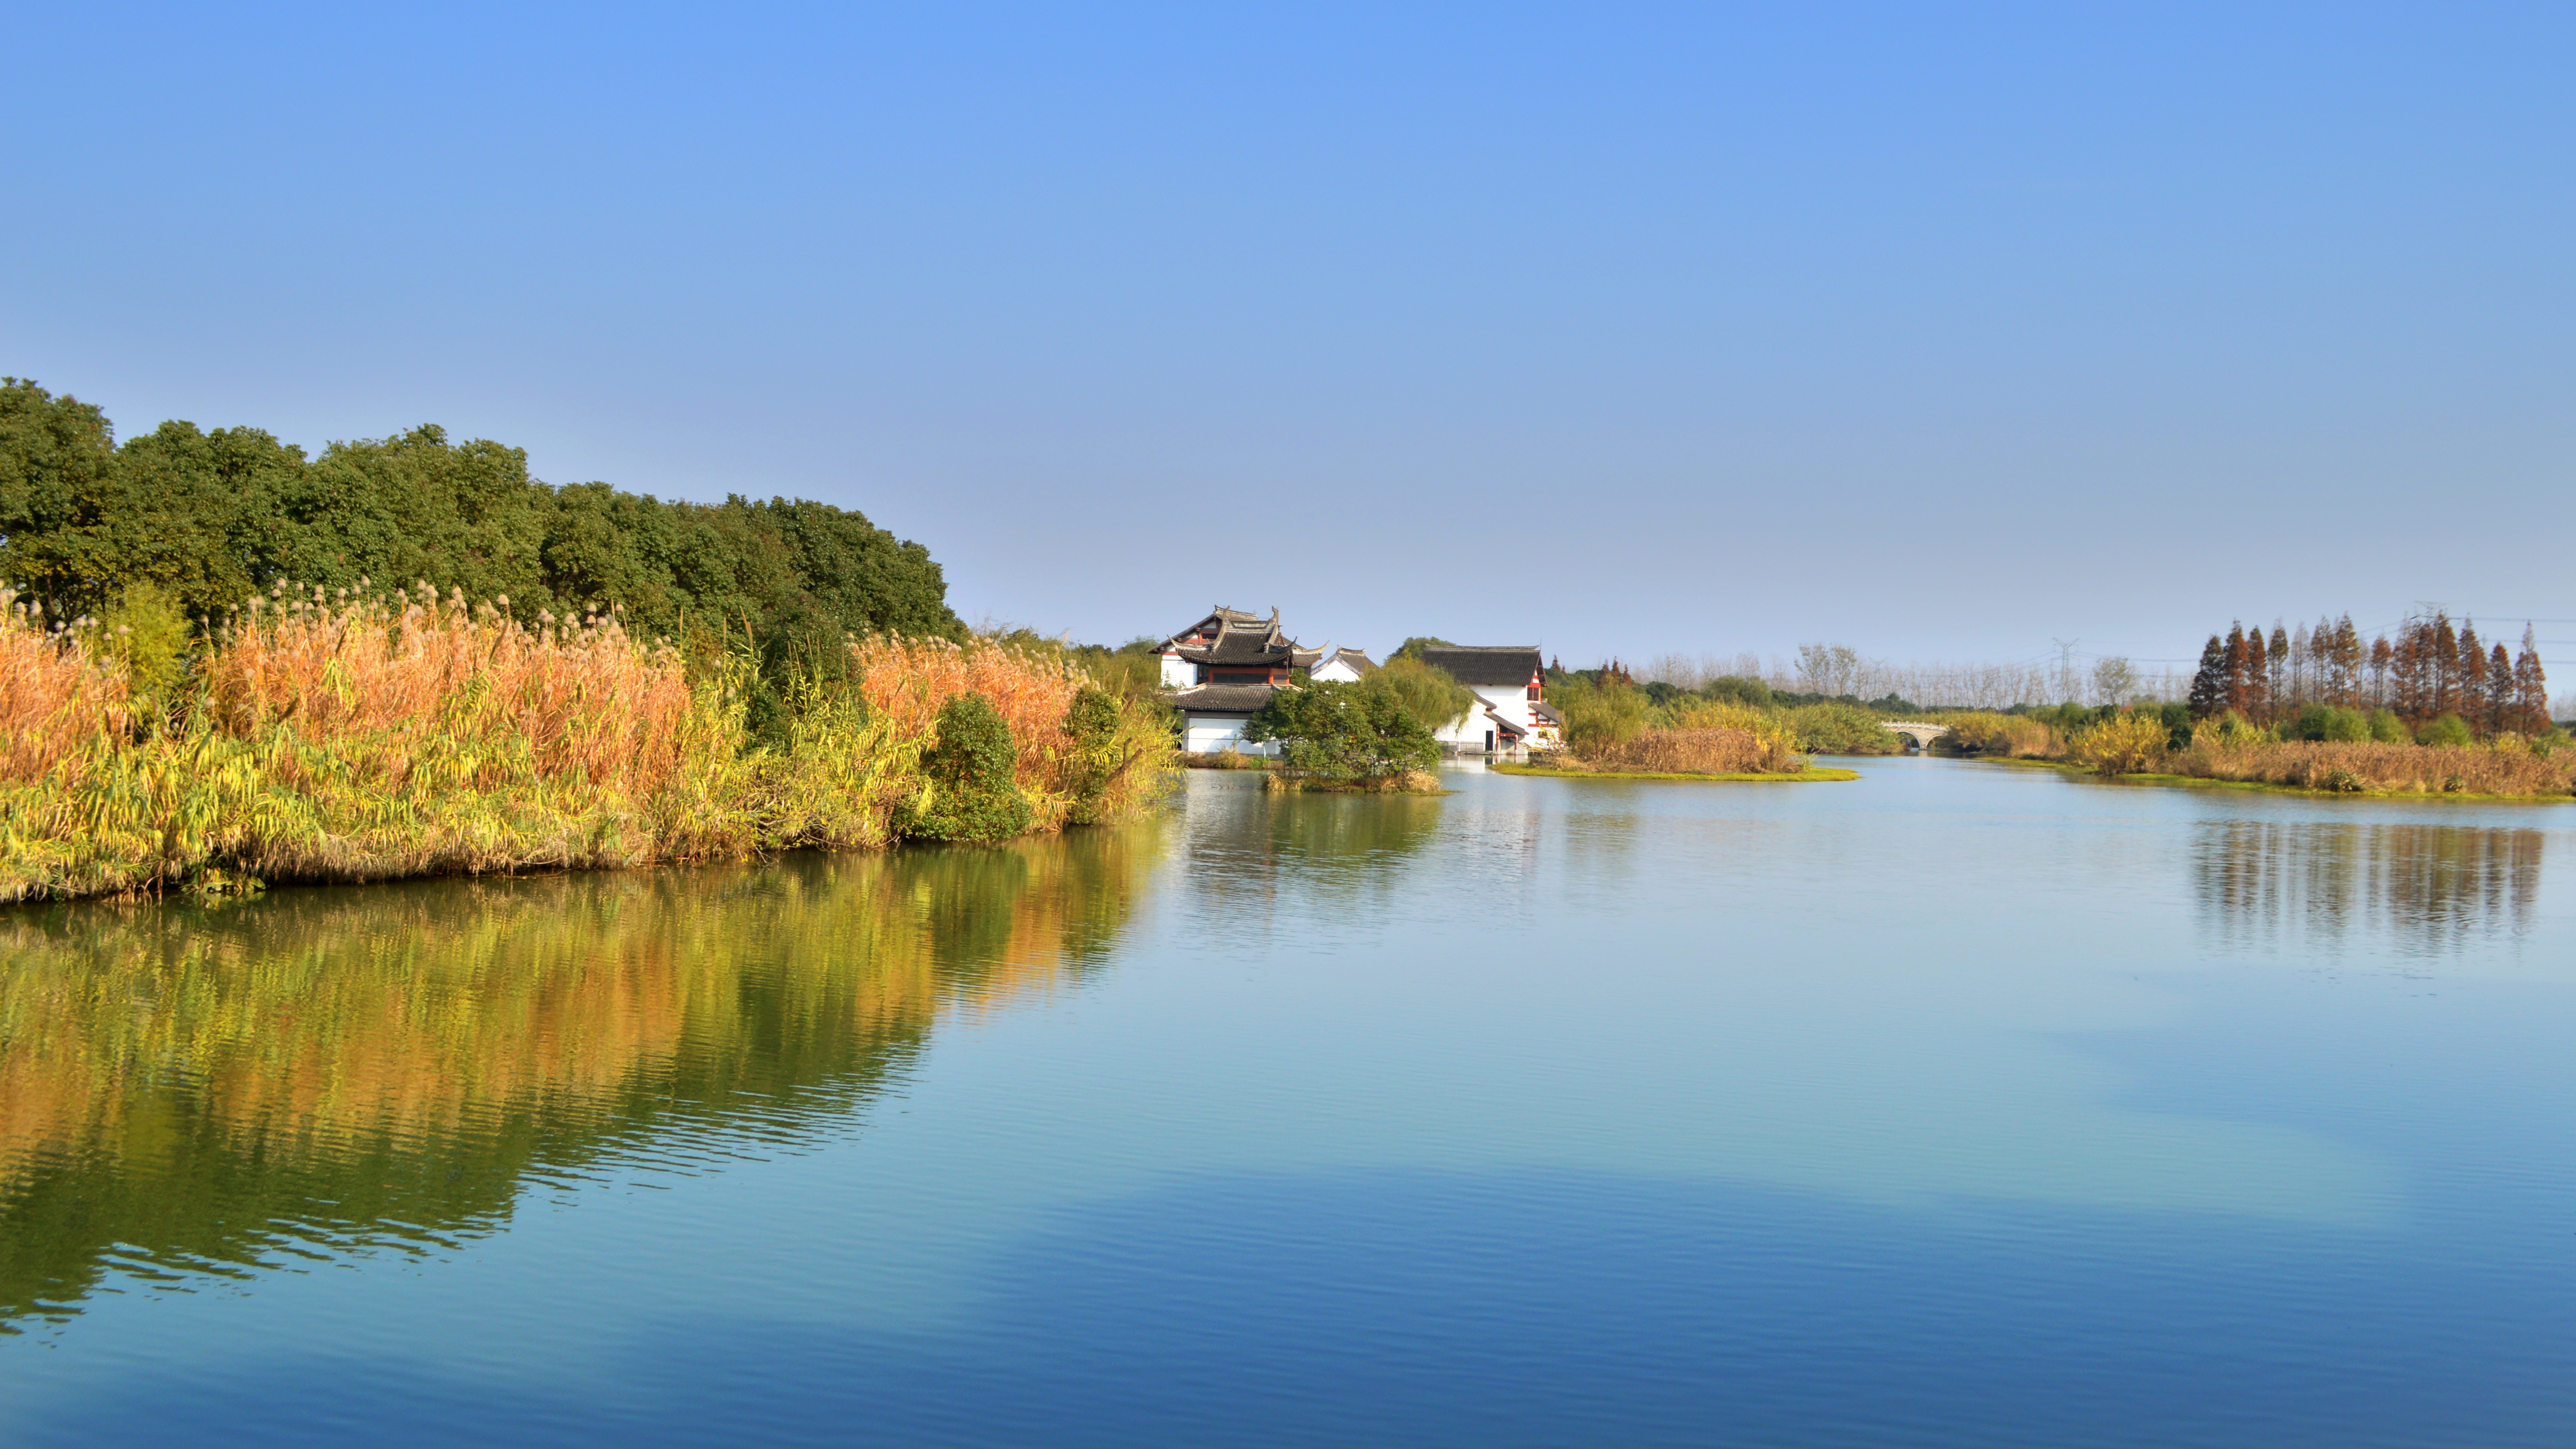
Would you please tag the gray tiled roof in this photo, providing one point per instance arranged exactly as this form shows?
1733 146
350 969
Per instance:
1221 698
1496 664
1240 638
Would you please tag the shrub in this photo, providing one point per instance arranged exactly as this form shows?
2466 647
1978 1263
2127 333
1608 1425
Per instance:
2448 731
970 793
1983 732
1736 689
2126 744
1598 715
1840 729
1346 733
2387 729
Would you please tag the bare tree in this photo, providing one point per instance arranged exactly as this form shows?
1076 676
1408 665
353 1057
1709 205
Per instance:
2115 680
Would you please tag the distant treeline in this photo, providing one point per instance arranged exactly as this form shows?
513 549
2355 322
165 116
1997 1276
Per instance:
2431 669
215 517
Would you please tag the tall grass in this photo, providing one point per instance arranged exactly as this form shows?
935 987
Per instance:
329 739
1982 732
1701 738
2506 766
55 699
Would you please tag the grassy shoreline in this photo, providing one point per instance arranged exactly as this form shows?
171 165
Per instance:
2068 767
1747 778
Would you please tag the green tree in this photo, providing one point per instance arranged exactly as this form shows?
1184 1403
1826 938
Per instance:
1355 733
1736 689
1427 692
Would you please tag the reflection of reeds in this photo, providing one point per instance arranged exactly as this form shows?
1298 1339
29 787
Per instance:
2433 888
345 1065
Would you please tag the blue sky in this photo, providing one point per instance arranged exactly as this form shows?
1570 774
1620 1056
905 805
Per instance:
1942 333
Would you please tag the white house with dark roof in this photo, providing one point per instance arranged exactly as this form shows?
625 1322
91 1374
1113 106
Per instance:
1220 671
1511 712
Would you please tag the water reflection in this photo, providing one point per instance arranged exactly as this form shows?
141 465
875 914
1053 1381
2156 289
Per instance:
1244 846
2428 889
199 1092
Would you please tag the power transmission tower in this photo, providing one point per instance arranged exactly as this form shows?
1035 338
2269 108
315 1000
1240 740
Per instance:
2066 669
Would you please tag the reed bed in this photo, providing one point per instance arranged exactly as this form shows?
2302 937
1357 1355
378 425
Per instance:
1706 739
2506 766
1982 732
55 700
337 739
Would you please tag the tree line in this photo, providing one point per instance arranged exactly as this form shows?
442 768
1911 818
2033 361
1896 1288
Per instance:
2431 669
210 518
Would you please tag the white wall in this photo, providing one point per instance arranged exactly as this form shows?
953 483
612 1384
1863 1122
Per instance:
1212 734
1178 673
1336 672
1512 702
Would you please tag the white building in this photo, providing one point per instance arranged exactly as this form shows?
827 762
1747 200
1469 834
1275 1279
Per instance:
1220 671
1341 666
1510 712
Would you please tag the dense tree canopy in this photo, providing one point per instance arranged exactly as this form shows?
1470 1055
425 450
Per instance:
213 517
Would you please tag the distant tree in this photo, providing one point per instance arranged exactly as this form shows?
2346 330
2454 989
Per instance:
2471 672
2240 690
1735 688
2278 693
2343 665
2500 694
1412 648
2258 678
2530 689
2442 665
2383 664
2114 680
2209 685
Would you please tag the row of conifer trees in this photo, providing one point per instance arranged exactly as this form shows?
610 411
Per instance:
2430 669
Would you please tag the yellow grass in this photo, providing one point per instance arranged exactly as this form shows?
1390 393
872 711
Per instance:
2505 768
1982 732
55 701
1707 738
330 739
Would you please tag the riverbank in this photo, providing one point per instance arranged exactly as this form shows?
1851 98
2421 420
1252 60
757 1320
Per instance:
2268 786
1738 777
322 740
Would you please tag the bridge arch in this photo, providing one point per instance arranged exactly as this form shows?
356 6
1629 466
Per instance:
1918 733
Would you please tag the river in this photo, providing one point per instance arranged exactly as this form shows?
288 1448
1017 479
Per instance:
1957 1105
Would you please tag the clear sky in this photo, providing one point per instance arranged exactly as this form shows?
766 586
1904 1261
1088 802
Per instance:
1941 331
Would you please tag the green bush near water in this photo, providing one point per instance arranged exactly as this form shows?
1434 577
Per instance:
1359 734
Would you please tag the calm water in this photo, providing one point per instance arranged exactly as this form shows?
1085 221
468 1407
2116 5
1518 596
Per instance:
1954 1106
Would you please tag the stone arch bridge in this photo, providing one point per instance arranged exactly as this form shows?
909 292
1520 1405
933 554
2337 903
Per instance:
1917 733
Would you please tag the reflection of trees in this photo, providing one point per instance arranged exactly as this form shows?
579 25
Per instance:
2433 888
1244 843
202 1090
